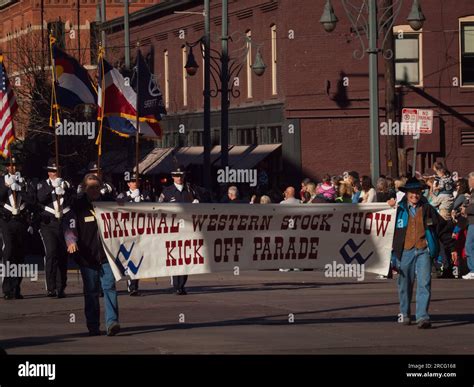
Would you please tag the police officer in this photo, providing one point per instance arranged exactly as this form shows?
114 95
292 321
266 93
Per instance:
133 195
107 190
179 192
16 201
54 195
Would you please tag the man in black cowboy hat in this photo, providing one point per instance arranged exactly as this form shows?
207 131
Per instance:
16 205
54 196
133 195
179 192
418 229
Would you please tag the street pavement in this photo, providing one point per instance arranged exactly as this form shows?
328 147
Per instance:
256 312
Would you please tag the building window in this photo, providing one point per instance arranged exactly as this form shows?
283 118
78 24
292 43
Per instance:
184 55
407 58
247 136
274 60
249 66
167 80
274 135
467 53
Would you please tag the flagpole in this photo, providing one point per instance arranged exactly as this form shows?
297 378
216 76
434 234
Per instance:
101 118
52 40
137 134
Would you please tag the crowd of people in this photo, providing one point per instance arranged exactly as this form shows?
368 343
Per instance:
435 222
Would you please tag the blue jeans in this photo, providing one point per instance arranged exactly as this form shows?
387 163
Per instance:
92 280
415 263
470 247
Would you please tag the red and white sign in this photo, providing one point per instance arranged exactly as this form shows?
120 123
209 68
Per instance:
417 121
425 121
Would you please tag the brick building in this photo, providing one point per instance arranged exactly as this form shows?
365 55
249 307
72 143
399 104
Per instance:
24 26
313 99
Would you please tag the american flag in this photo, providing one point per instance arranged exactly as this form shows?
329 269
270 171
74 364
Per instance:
8 107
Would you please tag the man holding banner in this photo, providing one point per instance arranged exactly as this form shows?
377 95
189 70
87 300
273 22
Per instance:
415 243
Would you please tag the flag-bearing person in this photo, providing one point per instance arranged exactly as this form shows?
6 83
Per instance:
82 238
418 229
179 192
133 195
107 189
53 197
16 204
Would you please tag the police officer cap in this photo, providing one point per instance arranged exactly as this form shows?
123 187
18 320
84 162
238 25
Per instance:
93 167
52 166
179 171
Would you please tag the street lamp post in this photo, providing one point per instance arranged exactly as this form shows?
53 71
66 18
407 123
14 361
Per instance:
368 25
221 69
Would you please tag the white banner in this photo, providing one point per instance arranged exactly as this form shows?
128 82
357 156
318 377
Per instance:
147 240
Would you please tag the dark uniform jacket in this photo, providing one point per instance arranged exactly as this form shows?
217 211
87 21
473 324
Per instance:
16 205
81 228
50 203
172 194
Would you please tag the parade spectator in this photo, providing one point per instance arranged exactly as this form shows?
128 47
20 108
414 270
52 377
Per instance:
429 194
303 192
383 193
82 239
326 190
289 195
469 212
391 186
418 227
344 192
460 223
443 190
352 178
311 190
232 195
399 183
265 199
367 194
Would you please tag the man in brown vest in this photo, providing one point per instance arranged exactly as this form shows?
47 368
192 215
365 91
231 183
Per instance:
418 229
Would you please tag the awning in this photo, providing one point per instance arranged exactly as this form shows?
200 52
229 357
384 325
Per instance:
154 158
256 155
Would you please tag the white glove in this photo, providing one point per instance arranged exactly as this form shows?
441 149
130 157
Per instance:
135 194
64 184
30 230
106 189
137 199
57 182
9 180
20 180
59 191
195 201
15 187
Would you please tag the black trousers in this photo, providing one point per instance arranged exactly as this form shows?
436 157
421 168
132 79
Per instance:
132 285
179 281
14 237
55 251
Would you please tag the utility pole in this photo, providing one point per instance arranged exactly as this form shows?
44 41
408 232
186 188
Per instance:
225 86
126 20
390 108
207 97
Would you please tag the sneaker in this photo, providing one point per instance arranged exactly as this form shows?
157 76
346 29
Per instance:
94 332
468 276
8 297
424 324
297 269
61 294
113 329
134 293
381 277
285 270
52 293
